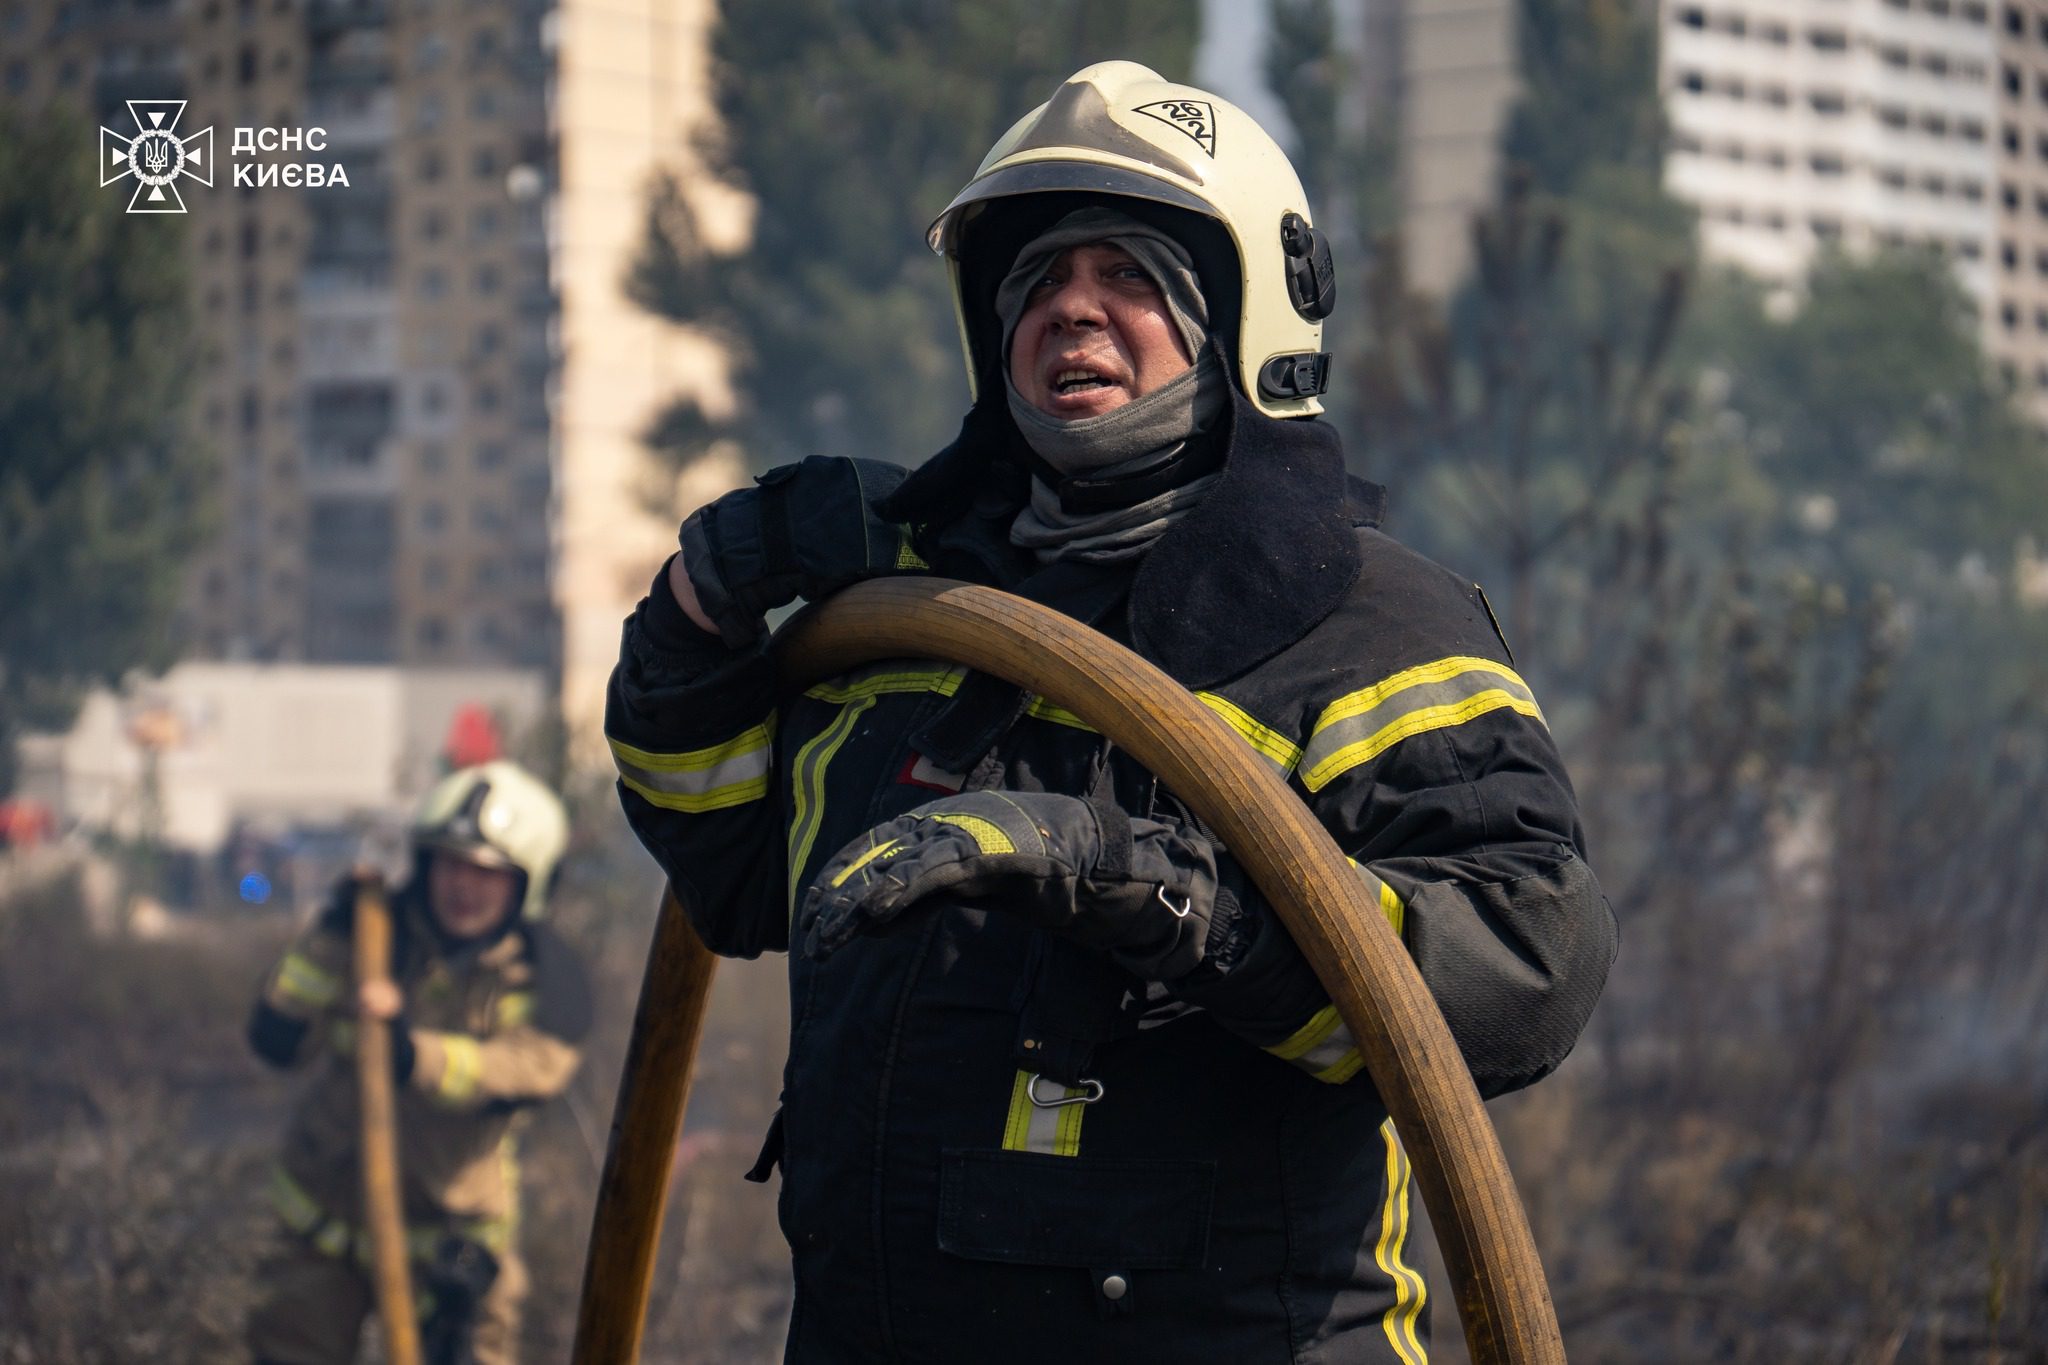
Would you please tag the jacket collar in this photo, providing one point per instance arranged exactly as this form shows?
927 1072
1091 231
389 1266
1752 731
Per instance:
1268 553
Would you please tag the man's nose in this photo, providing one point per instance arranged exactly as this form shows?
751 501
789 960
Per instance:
1077 303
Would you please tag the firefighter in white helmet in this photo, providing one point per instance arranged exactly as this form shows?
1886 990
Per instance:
489 1007
1060 1085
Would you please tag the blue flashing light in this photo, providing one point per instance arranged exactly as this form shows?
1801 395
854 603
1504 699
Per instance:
255 888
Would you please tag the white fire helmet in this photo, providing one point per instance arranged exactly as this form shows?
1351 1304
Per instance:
501 815
1194 165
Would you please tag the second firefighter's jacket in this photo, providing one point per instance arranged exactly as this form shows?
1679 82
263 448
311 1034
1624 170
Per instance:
495 1029
997 1146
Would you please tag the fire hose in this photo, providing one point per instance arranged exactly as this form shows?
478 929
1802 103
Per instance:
381 1210
1497 1280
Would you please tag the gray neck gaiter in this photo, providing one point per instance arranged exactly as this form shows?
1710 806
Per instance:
1128 439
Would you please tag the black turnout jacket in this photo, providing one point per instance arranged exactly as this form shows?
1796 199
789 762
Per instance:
996 1146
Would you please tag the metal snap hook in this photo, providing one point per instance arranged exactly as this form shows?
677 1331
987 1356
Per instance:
1179 911
1091 1092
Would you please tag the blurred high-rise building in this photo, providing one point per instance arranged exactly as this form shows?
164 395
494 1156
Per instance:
424 388
1802 124
1442 73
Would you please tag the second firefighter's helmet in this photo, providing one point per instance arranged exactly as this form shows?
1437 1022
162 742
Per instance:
501 815
1198 167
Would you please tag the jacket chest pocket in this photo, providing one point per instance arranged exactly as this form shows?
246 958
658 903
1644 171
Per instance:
1028 1208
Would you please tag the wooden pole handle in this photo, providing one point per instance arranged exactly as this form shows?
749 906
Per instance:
647 1118
383 1211
1503 1300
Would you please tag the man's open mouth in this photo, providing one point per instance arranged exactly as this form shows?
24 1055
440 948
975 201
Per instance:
1077 381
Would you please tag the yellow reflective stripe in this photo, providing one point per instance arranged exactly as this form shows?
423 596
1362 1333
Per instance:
515 1009
906 556
1029 1128
298 1211
1389 900
864 859
887 679
1343 1069
1410 1293
462 1066
988 835
1359 727
294 1206
1275 747
1320 1026
724 775
809 778
1041 709
301 979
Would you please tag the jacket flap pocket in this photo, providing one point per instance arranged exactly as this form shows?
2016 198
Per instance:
1036 1209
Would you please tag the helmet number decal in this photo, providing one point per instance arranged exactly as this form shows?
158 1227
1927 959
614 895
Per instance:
1196 118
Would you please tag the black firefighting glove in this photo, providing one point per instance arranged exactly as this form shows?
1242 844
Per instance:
1143 891
806 530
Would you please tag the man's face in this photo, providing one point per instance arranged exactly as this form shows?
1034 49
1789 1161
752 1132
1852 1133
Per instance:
1094 335
469 900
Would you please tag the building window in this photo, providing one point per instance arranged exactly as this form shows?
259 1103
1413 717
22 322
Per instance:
1693 82
2008 256
1777 96
1971 190
1828 39
1934 123
2013 85
1893 115
1892 177
2008 316
1970 130
1775 34
1973 11
2009 196
1826 163
1891 55
432 225
2041 261
1829 102
1938 7
1934 63
433 516
483 163
245 64
1969 248
1933 184
1693 17
1828 229
2014 24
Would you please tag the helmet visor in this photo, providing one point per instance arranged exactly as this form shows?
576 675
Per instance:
1045 177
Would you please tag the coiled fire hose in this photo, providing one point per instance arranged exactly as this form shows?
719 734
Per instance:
382 1213
1497 1280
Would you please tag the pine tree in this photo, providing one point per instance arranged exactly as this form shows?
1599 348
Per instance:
852 125
102 489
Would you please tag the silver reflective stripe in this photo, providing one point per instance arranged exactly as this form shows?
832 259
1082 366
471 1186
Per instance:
1359 727
1053 1129
728 774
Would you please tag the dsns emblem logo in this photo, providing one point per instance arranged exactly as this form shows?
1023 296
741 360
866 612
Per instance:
156 156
